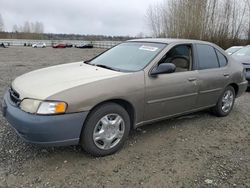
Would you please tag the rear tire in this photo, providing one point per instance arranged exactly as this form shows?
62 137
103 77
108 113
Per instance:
225 103
105 130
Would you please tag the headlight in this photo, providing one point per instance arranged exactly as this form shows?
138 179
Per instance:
43 107
30 105
52 108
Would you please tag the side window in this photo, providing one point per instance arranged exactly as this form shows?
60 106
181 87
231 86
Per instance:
207 57
222 59
181 56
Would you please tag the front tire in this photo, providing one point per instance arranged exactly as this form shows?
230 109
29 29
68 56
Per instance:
105 130
225 103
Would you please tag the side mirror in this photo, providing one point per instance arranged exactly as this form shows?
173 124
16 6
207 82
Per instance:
164 68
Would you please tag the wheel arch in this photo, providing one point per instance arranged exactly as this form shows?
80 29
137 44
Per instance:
125 104
236 88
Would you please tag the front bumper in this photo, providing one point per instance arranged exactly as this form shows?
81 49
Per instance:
52 130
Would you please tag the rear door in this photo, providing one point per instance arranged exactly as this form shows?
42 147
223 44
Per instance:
213 74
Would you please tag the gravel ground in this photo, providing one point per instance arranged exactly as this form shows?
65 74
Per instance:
197 150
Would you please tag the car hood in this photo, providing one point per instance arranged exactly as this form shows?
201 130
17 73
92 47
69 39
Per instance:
42 83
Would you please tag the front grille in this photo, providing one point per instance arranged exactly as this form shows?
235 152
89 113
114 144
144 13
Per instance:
14 96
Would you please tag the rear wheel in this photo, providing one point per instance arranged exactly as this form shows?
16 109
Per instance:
225 103
105 130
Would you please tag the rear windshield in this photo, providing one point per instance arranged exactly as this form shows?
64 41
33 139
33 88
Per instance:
243 52
129 56
233 49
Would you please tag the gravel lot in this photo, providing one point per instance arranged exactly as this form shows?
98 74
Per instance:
198 150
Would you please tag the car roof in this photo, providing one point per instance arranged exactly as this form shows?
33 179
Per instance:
168 40
237 47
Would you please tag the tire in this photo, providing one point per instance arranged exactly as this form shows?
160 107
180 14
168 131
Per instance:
106 129
221 109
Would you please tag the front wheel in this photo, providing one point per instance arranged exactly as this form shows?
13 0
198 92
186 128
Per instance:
105 130
225 103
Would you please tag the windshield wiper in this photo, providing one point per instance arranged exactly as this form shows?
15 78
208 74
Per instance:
106 67
102 66
87 62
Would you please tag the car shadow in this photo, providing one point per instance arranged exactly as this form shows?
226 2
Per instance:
152 128
24 152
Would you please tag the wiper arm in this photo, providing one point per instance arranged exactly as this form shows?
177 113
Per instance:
87 62
102 66
106 67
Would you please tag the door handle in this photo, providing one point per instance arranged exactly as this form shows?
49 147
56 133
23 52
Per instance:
192 79
226 74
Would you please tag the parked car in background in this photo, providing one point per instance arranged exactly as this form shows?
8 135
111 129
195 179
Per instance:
3 45
96 103
69 45
84 46
39 45
233 49
243 56
27 44
59 45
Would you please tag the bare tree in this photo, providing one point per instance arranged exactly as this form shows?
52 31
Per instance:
29 27
1 24
15 28
39 28
218 21
155 19
32 27
26 27
248 20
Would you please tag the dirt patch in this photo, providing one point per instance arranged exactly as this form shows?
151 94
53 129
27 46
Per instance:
198 150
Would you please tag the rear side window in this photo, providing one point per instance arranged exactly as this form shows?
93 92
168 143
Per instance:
222 59
207 57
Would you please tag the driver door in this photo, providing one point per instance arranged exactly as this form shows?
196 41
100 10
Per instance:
174 93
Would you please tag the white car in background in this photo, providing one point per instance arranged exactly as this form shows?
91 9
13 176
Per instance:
233 49
39 45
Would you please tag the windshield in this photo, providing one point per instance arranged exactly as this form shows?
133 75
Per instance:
129 56
243 52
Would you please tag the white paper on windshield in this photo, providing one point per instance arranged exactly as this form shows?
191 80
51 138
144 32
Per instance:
148 48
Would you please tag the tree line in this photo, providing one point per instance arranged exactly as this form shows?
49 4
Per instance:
225 22
1 24
27 27
53 36
35 30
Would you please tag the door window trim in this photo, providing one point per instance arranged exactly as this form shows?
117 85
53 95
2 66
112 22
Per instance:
218 57
193 60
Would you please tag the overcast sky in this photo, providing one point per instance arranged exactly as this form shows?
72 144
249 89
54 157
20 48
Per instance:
105 17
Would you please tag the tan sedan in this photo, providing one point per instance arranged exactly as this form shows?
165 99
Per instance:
96 103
